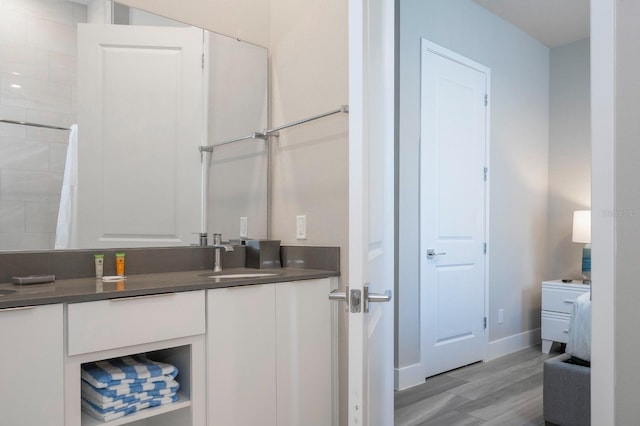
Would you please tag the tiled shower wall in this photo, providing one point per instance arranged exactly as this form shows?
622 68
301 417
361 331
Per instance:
37 84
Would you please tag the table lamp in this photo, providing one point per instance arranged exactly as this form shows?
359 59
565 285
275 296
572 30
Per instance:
582 234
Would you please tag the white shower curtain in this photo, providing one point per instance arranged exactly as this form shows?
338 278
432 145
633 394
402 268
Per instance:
67 229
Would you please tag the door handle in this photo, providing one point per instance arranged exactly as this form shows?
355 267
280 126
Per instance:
374 297
340 296
431 254
354 300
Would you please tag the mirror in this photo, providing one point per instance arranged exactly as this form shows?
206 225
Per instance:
140 174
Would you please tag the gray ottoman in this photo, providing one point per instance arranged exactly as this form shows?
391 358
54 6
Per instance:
566 392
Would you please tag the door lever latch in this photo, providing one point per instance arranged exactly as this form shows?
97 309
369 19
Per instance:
431 254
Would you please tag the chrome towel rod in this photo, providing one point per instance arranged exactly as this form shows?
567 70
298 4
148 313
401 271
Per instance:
343 108
255 135
26 123
274 132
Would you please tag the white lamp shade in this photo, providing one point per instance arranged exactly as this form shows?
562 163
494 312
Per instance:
582 226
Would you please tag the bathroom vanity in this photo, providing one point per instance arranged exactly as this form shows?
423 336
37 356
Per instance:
251 348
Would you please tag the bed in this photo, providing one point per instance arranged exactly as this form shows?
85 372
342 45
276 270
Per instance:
567 377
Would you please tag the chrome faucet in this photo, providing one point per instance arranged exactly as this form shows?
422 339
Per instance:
217 245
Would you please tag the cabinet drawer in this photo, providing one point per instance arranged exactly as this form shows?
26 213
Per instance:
116 323
555 327
560 300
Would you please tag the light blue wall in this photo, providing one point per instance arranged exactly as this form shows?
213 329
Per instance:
519 101
569 154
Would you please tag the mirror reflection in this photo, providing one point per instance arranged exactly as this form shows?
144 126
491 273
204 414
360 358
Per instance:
146 93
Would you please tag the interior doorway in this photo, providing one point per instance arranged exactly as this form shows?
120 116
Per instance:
453 208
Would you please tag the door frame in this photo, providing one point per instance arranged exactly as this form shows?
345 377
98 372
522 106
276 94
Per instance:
456 57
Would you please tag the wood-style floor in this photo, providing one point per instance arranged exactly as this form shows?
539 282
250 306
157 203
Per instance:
506 391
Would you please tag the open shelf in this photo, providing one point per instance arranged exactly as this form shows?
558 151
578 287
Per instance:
178 356
182 402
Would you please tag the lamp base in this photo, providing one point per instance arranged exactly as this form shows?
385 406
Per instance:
586 264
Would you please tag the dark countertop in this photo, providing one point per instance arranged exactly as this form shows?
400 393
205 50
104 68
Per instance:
90 289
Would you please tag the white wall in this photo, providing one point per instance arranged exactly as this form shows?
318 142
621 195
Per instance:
626 213
310 162
603 164
569 154
247 20
518 170
238 106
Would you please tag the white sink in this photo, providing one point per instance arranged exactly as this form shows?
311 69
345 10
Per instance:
249 275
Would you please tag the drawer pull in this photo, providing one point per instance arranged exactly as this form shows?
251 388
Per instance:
570 301
566 331
19 308
149 296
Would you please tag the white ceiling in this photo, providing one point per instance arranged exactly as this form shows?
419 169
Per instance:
552 22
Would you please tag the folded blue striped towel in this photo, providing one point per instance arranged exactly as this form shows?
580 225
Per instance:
127 388
112 413
126 370
125 400
98 396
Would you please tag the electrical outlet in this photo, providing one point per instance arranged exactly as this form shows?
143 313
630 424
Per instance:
500 316
301 227
243 227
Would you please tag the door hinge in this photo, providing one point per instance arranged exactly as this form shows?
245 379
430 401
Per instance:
485 323
486 172
486 99
484 248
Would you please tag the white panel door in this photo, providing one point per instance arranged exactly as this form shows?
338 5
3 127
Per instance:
371 210
452 209
140 116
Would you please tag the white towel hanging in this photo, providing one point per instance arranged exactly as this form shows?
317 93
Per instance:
67 228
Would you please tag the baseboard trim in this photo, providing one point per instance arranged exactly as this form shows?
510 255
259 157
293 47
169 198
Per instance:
511 344
406 377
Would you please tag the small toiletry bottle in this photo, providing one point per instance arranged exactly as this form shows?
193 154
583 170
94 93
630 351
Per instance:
99 264
120 264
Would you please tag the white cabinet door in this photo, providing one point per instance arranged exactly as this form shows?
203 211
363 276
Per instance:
241 356
31 389
304 347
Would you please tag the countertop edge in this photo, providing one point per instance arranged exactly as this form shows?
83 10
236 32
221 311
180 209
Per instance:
80 290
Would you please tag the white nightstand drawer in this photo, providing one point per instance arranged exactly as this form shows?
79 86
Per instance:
555 327
561 300
117 323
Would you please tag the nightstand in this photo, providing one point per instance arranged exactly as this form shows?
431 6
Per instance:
557 304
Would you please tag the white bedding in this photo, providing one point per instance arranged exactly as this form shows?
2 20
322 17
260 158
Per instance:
579 341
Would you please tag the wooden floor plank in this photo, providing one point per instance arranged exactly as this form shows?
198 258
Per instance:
503 392
494 381
502 401
434 386
426 409
527 414
453 418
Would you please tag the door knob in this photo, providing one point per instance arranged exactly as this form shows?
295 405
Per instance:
431 254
